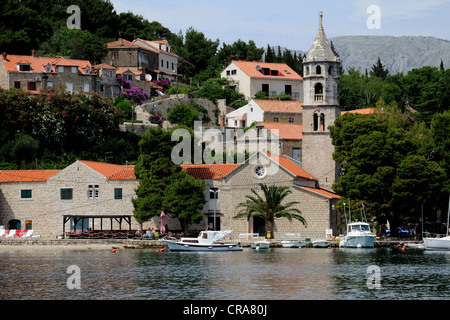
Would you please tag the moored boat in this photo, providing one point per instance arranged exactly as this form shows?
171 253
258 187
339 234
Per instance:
358 236
438 243
258 245
206 241
321 243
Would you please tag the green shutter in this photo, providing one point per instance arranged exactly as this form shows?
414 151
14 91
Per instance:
117 193
26 194
67 194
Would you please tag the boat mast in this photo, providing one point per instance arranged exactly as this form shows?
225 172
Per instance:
448 212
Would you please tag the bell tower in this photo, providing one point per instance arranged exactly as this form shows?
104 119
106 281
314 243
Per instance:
320 109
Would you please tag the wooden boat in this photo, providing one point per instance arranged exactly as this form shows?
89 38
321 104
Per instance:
206 241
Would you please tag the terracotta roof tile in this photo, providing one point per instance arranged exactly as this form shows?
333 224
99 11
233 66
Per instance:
38 64
284 71
280 106
321 192
111 171
26 175
291 167
360 111
286 131
209 171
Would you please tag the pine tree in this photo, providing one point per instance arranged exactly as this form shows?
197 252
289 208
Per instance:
269 55
378 70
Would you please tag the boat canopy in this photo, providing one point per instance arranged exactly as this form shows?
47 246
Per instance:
361 226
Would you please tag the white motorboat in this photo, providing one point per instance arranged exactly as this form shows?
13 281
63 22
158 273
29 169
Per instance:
358 235
206 241
321 244
291 240
438 243
258 245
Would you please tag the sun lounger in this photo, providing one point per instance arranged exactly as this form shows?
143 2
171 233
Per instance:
10 233
28 234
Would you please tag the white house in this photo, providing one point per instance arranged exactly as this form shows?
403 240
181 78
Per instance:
273 79
265 110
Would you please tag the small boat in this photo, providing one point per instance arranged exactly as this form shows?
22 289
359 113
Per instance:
438 243
291 240
206 241
321 243
358 234
258 245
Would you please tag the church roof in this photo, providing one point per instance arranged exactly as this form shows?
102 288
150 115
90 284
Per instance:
321 47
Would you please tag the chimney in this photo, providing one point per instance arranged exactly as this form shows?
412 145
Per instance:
4 56
33 53
120 42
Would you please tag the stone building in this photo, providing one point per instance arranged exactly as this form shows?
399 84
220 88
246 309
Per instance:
320 109
34 73
232 183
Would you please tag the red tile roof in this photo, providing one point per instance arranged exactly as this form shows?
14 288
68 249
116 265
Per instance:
111 171
209 171
38 64
290 166
250 68
125 43
360 111
321 192
280 106
286 131
26 175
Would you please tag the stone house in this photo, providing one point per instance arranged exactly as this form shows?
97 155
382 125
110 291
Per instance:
272 79
265 111
34 73
154 58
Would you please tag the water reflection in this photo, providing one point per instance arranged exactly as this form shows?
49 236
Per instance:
278 274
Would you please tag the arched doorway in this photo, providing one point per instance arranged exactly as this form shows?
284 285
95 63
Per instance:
14 224
259 226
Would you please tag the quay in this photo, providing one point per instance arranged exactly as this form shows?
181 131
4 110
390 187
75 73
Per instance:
155 244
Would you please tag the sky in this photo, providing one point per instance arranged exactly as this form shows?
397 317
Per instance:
293 23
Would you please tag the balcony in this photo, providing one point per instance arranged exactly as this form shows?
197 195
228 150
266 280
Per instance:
318 97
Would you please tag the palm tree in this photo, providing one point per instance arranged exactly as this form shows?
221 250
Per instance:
270 207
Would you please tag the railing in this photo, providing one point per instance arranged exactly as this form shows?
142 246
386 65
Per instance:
318 97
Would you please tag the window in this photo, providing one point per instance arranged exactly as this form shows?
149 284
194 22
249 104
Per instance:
117 193
297 154
318 92
86 88
318 70
214 193
228 72
26 194
330 70
48 68
88 70
162 63
60 69
115 55
233 72
69 87
74 69
17 84
265 89
24 67
50 84
93 191
291 120
260 171
66 194
31 86
307 71
275 119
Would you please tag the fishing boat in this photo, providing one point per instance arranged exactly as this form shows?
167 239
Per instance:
321 244
435 242
291 240
258 245
358 234
206 241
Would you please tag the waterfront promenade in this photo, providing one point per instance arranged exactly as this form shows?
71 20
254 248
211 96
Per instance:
145 244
